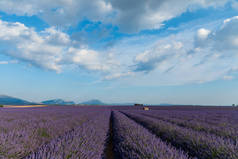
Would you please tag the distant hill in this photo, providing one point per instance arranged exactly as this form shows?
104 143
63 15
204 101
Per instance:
58 102
7 100
93 102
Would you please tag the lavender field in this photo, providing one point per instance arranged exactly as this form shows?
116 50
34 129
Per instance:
119 132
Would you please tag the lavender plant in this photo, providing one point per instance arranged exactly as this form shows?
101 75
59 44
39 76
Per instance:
85 142
224 131
23 131
132 141
197 144
80 132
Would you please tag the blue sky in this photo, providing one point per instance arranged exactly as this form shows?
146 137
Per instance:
155 51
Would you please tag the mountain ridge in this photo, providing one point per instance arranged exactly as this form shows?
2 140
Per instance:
93 102
8 100
58 102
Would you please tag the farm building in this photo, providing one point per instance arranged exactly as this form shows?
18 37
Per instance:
146 108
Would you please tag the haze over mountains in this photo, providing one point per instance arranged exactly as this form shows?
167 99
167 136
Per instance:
93 102
8 100
58 101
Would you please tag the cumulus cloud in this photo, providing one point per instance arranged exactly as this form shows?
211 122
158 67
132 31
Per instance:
25 44
50 49
203 33
118 75
223 39
227 37
201 38
235 4
137 15
186 57
58 12
180 58
87 59
155 58
3 62
130 16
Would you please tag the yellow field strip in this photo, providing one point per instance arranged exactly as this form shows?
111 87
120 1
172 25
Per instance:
23 106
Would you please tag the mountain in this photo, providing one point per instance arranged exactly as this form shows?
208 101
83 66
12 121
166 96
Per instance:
7 100
93 102
58 102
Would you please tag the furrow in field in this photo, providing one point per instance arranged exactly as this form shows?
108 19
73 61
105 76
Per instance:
227 132
134 141
109 146
197 144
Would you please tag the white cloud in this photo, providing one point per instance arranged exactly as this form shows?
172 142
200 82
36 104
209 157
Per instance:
58 12
3 62
187 57
118 75
230 19
203 33
167 64
88 59
156 57
235 4
137 15
50 49
56 37
130 16
201 38
26 44
226 39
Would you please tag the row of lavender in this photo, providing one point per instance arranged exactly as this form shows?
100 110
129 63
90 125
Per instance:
217 117
59 132
222 124
197 144
86 141
132 141
23 131
80 132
